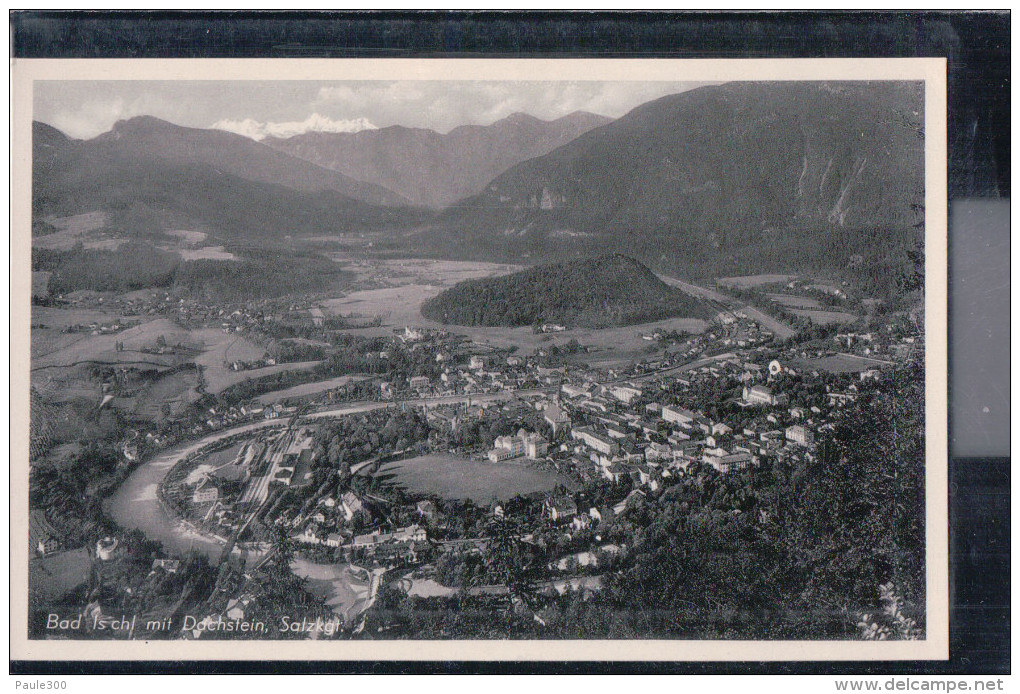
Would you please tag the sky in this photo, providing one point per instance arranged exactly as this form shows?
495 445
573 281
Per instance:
84 109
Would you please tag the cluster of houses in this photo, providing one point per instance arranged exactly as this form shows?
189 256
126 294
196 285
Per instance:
43 539
618 431
96 328
323 525
464 373
219 498
242 365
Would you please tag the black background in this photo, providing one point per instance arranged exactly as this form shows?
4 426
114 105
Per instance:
977 46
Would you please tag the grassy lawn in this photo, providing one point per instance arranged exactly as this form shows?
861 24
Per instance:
456 477
825 317
49 578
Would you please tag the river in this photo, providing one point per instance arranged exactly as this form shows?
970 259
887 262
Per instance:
135 505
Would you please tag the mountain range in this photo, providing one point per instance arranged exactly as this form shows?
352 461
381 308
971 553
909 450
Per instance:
152 176
433 169
737 178
734 178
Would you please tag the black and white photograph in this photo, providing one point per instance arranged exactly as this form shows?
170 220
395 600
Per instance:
495 357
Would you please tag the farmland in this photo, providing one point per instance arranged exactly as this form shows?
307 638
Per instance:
102 348
749 281
55 575
414 281
48 324
457 477
840 363
169 392
305 389
81 228
792 301
825 317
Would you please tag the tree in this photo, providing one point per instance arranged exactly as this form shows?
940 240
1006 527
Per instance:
504 560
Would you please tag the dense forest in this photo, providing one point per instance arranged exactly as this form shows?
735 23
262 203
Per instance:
600 292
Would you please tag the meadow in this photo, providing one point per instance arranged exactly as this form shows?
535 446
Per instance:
838 364
747 281
305 389
825 317
413 281
457 477
53 576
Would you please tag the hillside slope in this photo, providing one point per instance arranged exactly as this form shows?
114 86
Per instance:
605 291
742 177
434 169
146 194
145 137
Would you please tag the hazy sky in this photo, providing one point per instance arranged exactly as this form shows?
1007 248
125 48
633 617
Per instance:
86 109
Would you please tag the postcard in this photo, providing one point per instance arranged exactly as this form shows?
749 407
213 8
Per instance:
479 359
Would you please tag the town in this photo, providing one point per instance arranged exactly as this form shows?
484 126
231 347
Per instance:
580 447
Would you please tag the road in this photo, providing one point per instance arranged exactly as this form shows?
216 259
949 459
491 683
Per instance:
780 329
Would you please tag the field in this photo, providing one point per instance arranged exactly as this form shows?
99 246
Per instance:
456 477
175 390
839 363
792 301
753 280
419 280
396 306
64 385
188 246
53 576
395 289
221 378
67 350
206 253
221 457
446 272
305 389
221 348
825 317
48 339
53 350
187 236
84 228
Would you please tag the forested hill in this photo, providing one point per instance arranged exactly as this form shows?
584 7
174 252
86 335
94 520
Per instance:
605 291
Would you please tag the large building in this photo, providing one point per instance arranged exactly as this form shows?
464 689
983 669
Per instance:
678 415
724 461
535 446
514 444
625 394
800 434
205 492
559 510
523 443
762 395
498 455
556 418
572 391
602 444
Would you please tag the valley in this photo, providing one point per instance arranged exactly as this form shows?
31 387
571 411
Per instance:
558 379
